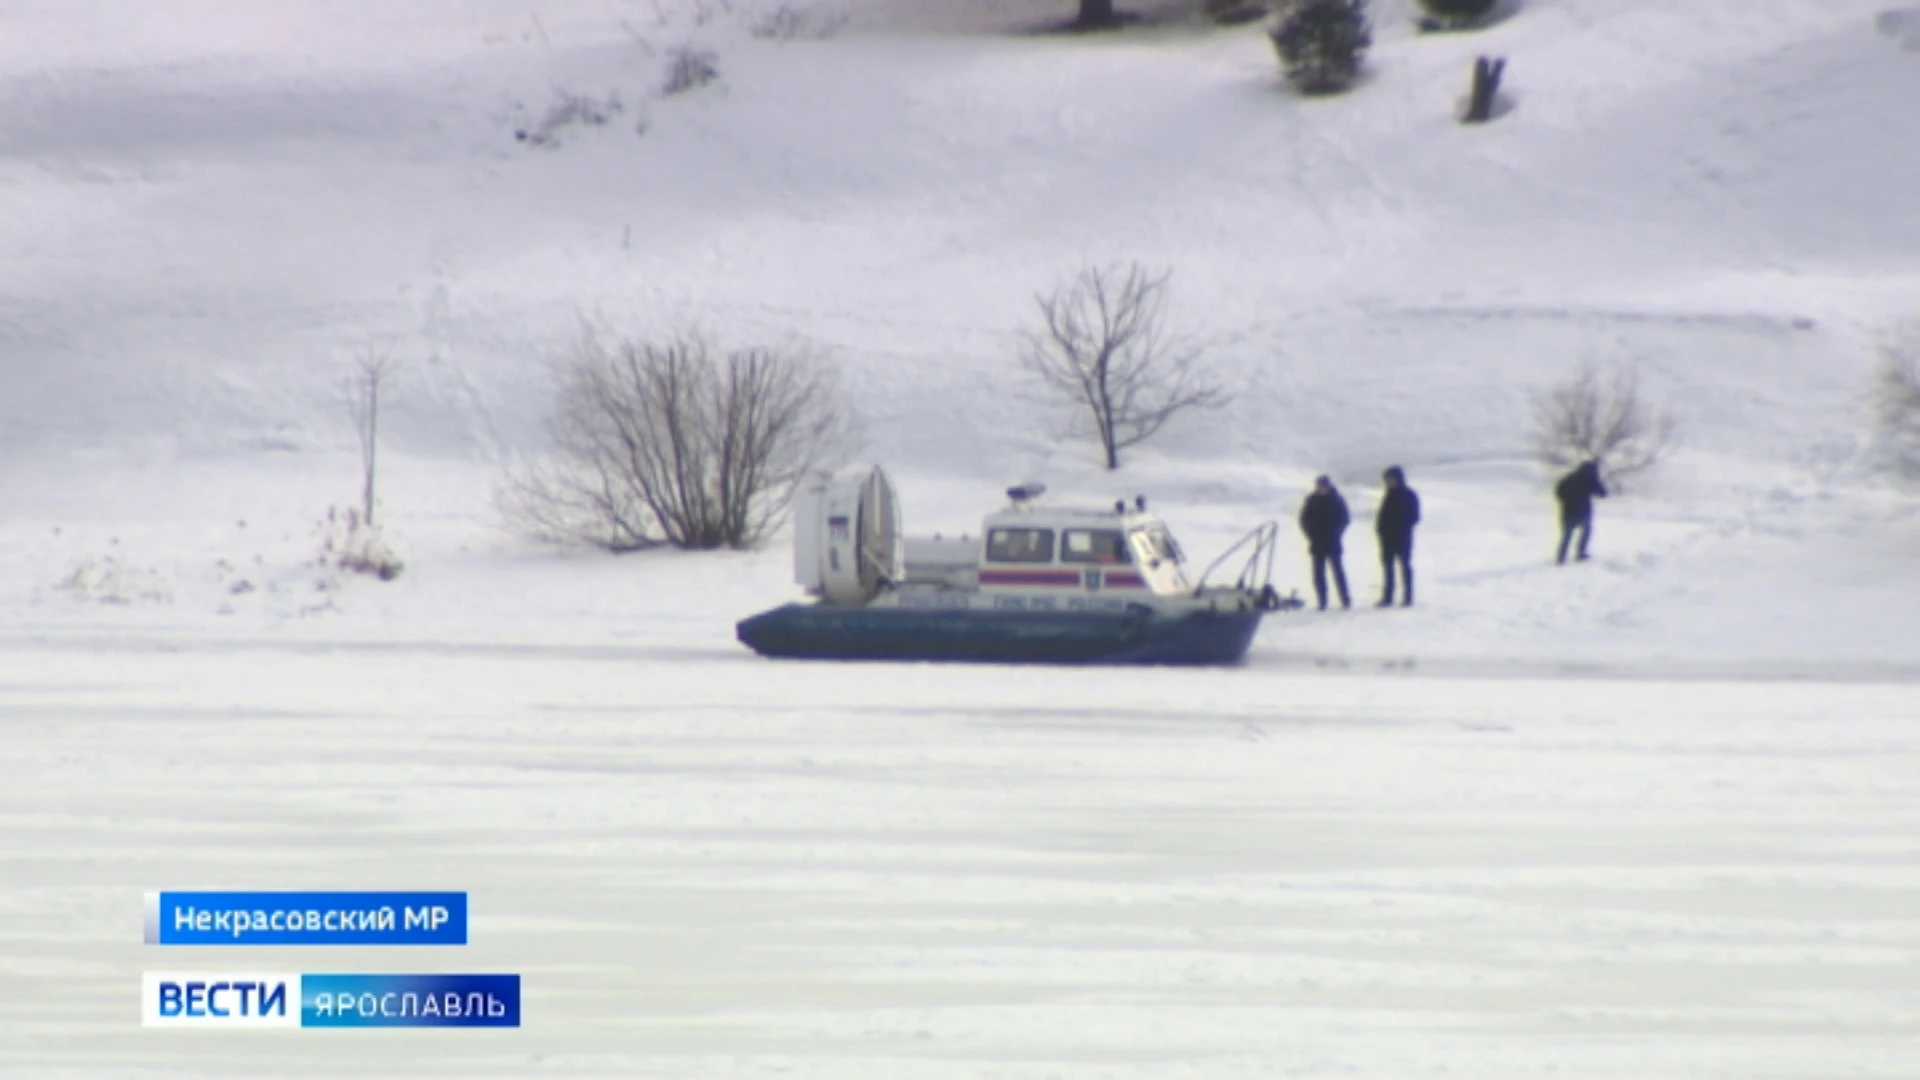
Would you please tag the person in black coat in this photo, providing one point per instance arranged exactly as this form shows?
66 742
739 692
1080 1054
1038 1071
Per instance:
1576 492
1399 513
1323 517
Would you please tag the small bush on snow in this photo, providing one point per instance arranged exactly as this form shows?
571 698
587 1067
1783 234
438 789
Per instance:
1896 407
349 542
1902 25
569 109
689 68
1321 42
788 23
110 581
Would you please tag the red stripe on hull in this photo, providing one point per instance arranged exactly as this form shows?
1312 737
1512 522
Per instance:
1059 579
1031 578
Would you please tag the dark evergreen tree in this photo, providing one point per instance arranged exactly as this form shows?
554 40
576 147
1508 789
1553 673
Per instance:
1321 42
1096 15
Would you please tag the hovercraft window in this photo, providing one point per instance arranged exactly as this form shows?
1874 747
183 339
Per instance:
1156 544
1020 545
1094 546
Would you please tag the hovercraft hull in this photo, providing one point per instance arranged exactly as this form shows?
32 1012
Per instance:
832 632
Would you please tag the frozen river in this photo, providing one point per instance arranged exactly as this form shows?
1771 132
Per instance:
705 864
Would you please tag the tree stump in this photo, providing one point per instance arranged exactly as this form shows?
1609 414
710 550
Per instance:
1486 82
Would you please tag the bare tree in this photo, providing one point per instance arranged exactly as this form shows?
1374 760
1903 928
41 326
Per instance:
1896 407
669 442
1102 344
1588 417
373 370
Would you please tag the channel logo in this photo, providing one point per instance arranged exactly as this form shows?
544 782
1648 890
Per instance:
227 1000
332 1000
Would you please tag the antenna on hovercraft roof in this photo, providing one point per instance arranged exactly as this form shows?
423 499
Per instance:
1027 491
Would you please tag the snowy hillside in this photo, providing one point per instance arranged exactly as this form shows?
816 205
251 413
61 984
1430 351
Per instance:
211 210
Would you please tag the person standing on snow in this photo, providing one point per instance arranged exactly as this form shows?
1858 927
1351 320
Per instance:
1399 513
1576 492
1323 517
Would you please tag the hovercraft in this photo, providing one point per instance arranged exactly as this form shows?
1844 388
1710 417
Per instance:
1040 584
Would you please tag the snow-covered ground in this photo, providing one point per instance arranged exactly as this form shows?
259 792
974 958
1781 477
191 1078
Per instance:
704 865
1646 816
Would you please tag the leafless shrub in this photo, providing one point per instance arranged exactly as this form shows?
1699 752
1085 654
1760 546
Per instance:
788 23
689 68
567 110
108 580
373 370
705 12
349 542
1605 419
670 442
1102 345
1902 25
1896 408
